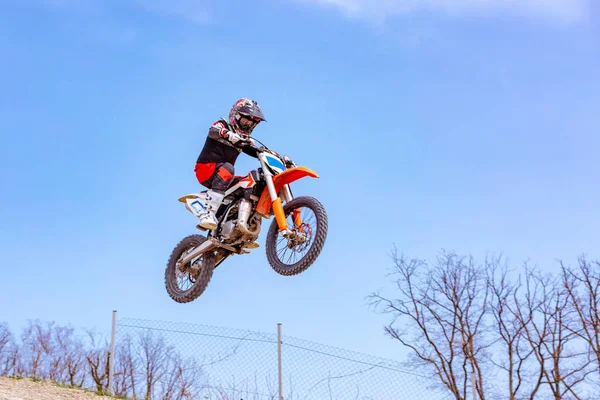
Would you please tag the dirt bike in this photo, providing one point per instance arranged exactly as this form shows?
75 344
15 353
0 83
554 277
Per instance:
299 226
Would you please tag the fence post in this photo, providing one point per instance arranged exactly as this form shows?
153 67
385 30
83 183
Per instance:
279 359
111 354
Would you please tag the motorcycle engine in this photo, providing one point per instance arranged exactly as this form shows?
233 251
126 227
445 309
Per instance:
230 231
239 223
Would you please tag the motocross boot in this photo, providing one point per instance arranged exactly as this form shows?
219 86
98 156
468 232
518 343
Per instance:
207 218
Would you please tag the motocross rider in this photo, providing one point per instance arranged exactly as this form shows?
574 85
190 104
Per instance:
224 143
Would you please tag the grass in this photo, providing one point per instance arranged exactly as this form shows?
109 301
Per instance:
98 392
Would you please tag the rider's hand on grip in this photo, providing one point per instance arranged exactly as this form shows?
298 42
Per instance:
246 139
234 137
288 162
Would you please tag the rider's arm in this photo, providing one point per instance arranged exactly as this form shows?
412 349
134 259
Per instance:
250 150
218 130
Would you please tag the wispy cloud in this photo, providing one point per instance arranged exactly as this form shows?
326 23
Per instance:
559 10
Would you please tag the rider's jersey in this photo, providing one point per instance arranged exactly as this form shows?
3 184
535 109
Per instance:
217 149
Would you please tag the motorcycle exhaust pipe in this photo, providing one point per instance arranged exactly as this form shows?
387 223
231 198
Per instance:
244 210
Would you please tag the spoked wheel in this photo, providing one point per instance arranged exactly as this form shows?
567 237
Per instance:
185 282
292 255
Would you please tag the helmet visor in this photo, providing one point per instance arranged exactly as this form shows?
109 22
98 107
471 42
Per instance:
248 123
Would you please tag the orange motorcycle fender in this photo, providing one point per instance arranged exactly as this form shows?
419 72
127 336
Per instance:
279 180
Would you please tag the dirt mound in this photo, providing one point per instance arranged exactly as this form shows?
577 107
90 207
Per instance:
27 389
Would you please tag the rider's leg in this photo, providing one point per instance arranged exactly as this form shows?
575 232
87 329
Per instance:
217 178
204 173
224 178
218 182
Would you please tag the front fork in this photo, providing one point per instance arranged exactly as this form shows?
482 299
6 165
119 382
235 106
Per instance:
288 196
277 205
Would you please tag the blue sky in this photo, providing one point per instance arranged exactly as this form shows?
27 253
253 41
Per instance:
468 125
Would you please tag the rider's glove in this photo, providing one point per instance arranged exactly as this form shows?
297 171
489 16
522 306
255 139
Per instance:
288 162
234 137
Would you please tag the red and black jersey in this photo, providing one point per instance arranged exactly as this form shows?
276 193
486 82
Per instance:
217 149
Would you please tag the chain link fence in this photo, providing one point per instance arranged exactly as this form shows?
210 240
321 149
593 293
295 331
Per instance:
185 360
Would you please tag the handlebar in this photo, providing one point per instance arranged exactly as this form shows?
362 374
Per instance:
250 142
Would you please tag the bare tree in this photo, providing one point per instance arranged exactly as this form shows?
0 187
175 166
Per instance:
182 379
443 310
569 361
47 351
583 288
146 366
153 358
126 367
98 362
540 332
13 363
5 338
6 349
56 370
545 314
67 365
172 377
37 347
272 389
515 355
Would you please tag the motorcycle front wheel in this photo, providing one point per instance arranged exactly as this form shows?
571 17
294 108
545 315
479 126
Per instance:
293 255
186 282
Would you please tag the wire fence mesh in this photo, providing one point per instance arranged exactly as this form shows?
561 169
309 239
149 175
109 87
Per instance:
206 362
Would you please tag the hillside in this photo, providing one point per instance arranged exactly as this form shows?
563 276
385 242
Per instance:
27 389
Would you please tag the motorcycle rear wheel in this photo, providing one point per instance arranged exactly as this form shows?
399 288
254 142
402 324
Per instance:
315 238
